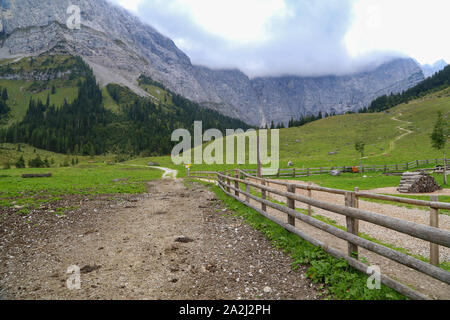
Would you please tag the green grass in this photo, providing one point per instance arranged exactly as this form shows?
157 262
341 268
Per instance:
20 92
348 181
109 102
342 281
158 93
87 179
9 153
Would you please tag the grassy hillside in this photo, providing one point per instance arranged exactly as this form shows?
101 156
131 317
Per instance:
10 153
386 143
398 136
410 123
63 88
94 120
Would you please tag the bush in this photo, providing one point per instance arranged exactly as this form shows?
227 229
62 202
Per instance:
20 164
65 164
38 163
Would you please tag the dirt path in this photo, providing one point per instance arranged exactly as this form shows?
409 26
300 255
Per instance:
406 275
168 173
172 243
393 142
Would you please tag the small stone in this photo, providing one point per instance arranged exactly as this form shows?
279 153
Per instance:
183 239
267 290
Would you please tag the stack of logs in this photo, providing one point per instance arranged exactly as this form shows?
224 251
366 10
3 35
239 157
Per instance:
418 182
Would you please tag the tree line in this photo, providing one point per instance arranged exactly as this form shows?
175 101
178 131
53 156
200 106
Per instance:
308 119
4 108
437 82
86 127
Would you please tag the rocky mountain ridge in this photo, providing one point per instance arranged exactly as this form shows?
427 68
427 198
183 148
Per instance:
119 48
431 69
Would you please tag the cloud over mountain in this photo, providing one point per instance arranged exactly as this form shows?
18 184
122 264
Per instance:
279 37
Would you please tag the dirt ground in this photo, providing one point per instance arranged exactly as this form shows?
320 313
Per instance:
172 243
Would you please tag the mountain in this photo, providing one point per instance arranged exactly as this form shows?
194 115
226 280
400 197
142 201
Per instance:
120 48
437 82
431 69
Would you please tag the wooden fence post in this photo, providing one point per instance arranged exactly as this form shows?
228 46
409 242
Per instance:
263 196
291 204
356 198
352 224
356 205
308 172
407 166
434 222
236 184
293 173
247 189
310 196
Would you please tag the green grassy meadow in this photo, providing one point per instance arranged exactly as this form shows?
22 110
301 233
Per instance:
85 179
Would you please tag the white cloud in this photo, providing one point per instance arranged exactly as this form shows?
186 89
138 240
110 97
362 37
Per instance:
303 37
414 27
234 20
131 5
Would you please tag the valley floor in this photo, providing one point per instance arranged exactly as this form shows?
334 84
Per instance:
127 248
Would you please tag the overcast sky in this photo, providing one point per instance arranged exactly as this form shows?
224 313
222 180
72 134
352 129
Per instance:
301 37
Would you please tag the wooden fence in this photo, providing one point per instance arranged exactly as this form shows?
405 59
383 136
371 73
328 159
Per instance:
305 172
230 184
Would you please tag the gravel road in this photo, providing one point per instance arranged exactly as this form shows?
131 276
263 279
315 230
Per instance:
172 243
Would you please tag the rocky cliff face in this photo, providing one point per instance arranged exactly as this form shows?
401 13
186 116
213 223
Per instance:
119 47
431 69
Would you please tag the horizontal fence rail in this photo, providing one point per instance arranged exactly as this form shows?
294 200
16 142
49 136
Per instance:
231 180
423 203
389 168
